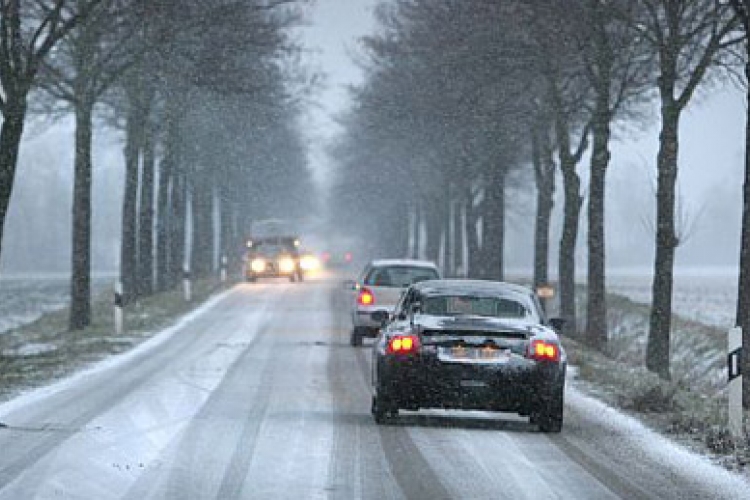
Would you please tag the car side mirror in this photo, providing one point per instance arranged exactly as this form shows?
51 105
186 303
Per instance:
557 324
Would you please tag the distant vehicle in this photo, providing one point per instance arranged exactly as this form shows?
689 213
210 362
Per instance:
309 262
337 259
379 287
467 344
273 257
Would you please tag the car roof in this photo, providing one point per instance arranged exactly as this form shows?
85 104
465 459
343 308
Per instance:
469 287
402 262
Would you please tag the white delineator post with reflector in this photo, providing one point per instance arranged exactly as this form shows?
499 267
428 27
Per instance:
734 365
223 268
119 303
186 285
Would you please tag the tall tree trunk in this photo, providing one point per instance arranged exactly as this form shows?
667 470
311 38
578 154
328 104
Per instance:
596 309
203 231
166 190
567 261
163 218
544 171
571 209
418 219
80 288
10 143
412 238
458 237
178 227
657 348
743 286
146 213
472 237
227 237
434 220
449 230
493 244
129 240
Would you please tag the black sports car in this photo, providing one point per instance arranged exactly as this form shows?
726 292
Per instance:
467 344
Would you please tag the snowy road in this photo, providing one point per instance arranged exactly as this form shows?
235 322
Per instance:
259 395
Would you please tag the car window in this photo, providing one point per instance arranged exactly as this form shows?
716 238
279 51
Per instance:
453 305
402 308
271 248
399 276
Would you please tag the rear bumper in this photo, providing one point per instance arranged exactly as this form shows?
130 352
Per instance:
520 386
269 274
362 318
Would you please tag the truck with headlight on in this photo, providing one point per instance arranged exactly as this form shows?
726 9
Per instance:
273 257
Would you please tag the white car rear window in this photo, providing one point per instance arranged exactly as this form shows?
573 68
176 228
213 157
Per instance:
399 276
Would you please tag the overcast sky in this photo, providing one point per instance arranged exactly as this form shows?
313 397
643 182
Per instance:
332 41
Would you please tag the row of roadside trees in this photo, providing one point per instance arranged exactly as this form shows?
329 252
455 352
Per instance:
200 92
467 104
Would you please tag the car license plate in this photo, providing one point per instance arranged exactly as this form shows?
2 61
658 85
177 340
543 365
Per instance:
480 355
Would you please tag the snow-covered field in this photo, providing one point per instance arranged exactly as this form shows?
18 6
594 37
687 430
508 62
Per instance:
707 295
25 298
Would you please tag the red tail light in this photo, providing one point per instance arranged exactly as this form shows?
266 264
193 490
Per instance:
365 297
541 350
403 344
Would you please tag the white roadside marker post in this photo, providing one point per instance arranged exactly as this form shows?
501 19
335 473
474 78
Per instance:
186 285
118 308
734 365
223 268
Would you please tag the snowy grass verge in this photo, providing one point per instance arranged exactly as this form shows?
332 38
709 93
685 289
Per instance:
38 353
691 408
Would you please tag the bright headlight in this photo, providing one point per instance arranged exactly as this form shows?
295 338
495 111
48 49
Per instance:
258 265
309 263
286 265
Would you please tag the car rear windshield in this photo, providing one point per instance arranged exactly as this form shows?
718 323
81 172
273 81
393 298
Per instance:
399 276
499 307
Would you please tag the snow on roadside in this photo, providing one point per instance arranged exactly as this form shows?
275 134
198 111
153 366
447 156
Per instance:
36 395
726 484
25 299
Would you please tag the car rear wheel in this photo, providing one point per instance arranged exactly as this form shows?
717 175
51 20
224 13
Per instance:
356 336
382 410
549 417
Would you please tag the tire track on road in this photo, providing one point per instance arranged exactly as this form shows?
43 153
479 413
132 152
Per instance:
72 413
370 461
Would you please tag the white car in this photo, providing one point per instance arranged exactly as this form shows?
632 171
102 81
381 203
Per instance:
378 289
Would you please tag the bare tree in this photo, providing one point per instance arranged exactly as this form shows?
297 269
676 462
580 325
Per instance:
85 66
618 66
29 31
544 175
742 9
688 36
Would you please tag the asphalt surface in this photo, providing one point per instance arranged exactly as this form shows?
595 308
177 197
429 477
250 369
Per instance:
261 396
